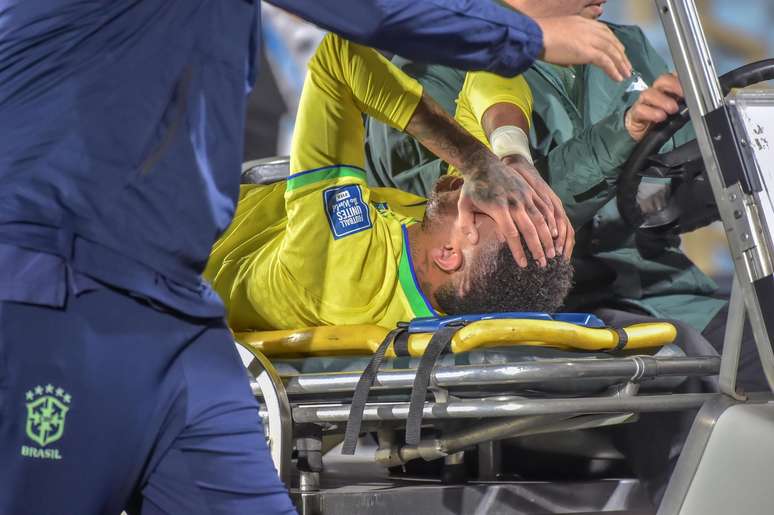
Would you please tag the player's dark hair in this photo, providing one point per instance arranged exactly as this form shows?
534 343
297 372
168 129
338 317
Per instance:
499 285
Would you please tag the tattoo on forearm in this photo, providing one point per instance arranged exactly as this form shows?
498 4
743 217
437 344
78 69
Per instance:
443 136
447 139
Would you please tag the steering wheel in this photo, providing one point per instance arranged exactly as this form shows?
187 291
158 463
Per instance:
689 204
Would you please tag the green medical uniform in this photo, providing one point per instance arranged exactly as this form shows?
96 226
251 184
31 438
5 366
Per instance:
579 144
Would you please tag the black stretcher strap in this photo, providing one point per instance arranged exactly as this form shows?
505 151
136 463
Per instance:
435 347
360 397
400 345
623 339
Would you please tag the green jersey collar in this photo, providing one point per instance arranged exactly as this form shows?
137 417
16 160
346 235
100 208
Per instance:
420 306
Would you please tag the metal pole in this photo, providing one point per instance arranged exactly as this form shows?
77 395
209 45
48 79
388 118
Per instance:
703 96
489 460
732 342
506 408
488 431
526 373
280 424
691 56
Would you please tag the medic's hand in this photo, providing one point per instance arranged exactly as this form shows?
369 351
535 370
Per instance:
653 106
547 8
497 190
577 40
557 219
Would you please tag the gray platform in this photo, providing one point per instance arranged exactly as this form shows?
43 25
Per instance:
356 485
624 496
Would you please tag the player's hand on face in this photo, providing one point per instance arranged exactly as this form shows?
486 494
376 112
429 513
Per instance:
554 213
576 40
498 191
653 106
547 8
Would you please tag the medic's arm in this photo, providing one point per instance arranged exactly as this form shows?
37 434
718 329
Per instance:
469 34
583 170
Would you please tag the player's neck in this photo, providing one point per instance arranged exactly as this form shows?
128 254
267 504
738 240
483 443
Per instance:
417 243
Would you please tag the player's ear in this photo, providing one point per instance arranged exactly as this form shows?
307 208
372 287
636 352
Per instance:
447 257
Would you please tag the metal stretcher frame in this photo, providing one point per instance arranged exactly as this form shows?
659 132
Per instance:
637 368
303 399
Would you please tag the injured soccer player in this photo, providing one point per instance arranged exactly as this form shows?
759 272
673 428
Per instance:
322 248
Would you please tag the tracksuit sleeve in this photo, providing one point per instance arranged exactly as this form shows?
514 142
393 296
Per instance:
465 34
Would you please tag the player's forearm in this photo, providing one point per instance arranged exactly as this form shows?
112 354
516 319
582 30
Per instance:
501 108
502 114
506 128
447 139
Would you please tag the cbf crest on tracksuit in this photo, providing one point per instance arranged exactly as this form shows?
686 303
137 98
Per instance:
47 408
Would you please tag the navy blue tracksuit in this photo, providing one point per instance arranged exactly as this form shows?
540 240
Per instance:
146 408
121 128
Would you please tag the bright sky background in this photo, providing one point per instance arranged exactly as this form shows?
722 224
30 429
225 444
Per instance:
746 23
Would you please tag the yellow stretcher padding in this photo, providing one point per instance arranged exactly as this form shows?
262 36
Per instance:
364 339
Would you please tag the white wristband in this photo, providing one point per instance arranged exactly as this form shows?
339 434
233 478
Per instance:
509 140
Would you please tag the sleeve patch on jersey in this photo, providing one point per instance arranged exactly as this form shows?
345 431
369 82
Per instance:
346 211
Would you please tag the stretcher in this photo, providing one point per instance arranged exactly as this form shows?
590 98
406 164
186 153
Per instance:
502 377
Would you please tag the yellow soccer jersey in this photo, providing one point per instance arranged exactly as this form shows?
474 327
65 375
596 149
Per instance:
322 248
341 256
